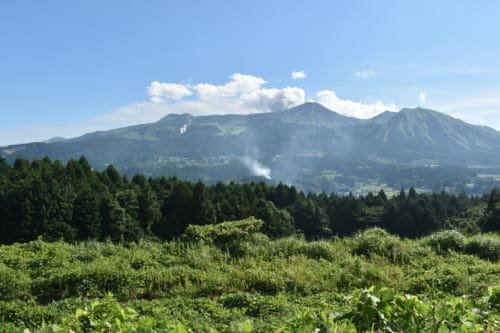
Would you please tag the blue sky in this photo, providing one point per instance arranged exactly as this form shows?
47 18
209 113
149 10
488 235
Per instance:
68 67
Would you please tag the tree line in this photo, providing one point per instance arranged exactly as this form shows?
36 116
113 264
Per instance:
74 202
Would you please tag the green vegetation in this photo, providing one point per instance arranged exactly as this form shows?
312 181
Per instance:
232 278
89 251
75 203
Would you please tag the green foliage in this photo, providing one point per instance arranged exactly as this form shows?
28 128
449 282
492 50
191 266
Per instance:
376 309
256 285
226 235
44 198
13 284
239 276
484 246
92 280
106 315
283 285
445 241
468 222
279 222
491 220
383 309
375 241
247 262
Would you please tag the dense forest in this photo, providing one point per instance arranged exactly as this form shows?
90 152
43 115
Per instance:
74 202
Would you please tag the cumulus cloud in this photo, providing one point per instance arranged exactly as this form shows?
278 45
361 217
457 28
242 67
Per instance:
159 91
273 99
422 98
351 108
365 74
242 94
297 75
239 84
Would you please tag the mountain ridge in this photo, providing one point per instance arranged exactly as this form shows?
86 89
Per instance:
304 144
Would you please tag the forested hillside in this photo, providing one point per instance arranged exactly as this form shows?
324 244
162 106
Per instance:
74 202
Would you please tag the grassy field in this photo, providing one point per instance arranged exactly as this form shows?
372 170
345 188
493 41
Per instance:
231 278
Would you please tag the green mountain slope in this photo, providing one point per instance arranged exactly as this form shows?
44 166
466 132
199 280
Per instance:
309 146
422 133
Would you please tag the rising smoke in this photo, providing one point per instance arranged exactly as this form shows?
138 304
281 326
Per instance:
256 168
183 129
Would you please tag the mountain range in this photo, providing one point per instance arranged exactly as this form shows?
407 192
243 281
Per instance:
309 146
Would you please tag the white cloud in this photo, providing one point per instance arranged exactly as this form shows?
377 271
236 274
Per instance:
351 108
422 98
159 92
239 84
365 74
242 94
273 99
297 75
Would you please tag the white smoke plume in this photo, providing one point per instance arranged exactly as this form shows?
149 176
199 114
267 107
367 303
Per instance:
256 168
183 129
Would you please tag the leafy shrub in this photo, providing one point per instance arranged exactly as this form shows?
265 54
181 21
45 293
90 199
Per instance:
222 233
443 241
319 250
91 281
256 245
286 247
484 247
226 235
375 241
259 280
13 284
295 246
